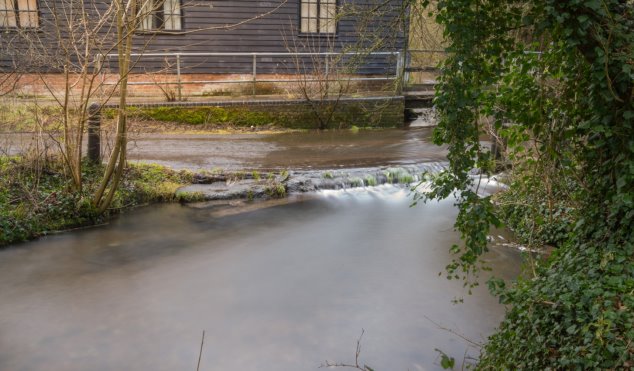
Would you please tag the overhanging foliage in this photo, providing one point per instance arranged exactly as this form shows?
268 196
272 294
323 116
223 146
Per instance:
555 81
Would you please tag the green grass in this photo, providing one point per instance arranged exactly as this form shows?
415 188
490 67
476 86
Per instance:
398 175
276 190
204 115
370 181
35 201
356 182
26 117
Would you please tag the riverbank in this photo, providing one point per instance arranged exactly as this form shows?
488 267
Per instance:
242 165
213 116
36 197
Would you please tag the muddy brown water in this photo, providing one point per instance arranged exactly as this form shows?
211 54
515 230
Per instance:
299 150
296 150
284 286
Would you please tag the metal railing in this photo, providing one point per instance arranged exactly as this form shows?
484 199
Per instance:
178 57
416 64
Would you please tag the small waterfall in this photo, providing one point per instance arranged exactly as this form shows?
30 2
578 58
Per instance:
383 192
310 181
278 185
232 187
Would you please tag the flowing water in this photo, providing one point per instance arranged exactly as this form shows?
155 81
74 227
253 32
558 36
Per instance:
284 285
295 150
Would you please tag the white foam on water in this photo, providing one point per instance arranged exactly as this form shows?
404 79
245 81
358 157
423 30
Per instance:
387 192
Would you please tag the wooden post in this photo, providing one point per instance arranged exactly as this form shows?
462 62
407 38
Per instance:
94 133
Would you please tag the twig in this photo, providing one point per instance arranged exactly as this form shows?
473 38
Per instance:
356 365
474 343
200 354
60 231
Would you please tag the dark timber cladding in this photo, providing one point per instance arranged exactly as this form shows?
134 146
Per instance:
206 26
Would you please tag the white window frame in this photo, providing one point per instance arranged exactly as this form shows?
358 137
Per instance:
160 15
318 17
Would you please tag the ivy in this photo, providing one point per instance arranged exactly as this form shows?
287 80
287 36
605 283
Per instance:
554 81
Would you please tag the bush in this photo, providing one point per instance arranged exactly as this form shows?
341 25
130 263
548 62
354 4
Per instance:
37 200
554 80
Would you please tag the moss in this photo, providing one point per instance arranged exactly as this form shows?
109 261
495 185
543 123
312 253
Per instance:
50 204
276 190
351 115
187 197
347 115
370 181
356 182
239 116
328 175
246 90
398 175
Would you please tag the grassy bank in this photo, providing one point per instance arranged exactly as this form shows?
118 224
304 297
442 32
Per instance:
261 117
31 117
320 114
36 197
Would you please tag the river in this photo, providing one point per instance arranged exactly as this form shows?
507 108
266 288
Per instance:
276 285
286 286
294 150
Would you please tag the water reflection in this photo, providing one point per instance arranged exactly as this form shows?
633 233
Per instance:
284 287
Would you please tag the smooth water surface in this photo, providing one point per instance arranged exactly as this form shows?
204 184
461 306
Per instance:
296 150
284 287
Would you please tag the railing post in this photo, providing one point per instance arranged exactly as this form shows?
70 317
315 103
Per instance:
399 72
94 133
407 63
178 76
255 64
98 70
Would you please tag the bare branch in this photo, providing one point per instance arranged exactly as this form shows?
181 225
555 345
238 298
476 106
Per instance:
356 364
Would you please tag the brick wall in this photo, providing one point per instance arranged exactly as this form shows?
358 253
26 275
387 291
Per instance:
159 86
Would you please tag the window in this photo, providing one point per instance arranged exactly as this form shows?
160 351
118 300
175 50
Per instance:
18 13
160 15
318 16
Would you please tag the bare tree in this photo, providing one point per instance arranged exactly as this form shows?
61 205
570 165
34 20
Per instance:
332 69
83 32
126 23
322 78
81 29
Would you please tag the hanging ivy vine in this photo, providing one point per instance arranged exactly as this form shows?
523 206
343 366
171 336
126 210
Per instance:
554 80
